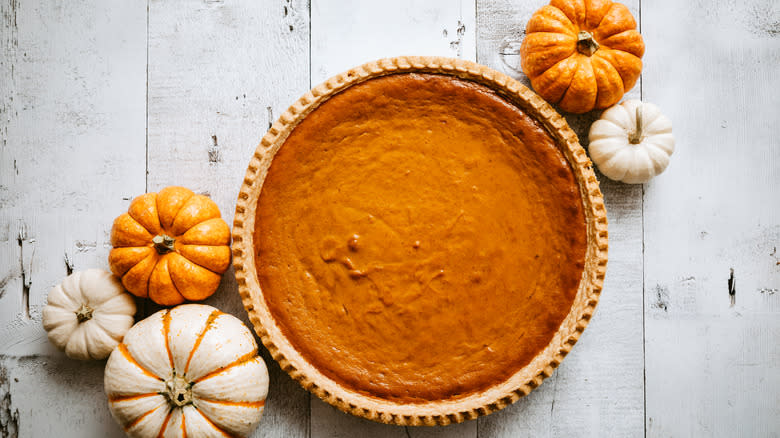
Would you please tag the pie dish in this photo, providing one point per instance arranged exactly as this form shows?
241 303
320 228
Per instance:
420 240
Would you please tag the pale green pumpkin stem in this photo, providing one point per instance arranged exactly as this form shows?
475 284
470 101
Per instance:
635 137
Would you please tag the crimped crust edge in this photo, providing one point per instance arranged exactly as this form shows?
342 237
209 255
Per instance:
445 411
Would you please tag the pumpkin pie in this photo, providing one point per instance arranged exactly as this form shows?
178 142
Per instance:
420 240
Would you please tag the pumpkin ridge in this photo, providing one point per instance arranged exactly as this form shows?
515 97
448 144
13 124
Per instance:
217 428
648 122
185 203
156 214
126 353
59 292
173 280
165 424
157 203
571 8
166 329
599 66
58 306
606 14
123 232
121 398
246 404
652 146
196 263
139 419
614 41
191 292
571 79
203 221
151 271
607 62
573 76
183 424
86 301
573 24
209 323
245 358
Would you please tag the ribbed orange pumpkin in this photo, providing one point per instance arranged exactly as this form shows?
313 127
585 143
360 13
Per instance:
170 246
582 54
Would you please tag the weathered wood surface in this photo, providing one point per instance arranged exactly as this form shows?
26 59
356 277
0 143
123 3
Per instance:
72 122
713 356
83 131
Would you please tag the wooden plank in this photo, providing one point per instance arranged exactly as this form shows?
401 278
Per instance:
218 73
72 151
598 390
713 359
349 33
54 396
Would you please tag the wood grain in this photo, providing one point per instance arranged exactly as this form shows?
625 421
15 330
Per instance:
713 358
598 389
72 128
218 71
351 32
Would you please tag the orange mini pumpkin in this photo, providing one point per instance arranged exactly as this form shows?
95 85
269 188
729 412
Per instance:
170 246
582 54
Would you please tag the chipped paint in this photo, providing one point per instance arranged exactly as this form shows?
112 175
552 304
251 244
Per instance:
9 416
732 282
457 44
83 246
214 153
68 264
25 272
762 20
4 282
9 45
661 298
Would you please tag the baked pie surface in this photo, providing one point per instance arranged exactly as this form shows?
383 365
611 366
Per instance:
420 244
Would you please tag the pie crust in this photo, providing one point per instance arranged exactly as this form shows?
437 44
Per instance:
440 412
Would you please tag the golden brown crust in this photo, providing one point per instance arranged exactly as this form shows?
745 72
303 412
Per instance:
445 411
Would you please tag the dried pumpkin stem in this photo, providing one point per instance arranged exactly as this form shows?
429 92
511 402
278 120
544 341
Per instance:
586 44
635 137
178 391
163 243
84 313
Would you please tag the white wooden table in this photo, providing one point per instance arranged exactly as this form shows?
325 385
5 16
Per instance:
101 101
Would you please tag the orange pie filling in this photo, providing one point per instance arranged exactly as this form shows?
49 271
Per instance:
419 238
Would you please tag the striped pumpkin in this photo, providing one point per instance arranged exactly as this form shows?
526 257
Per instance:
191 371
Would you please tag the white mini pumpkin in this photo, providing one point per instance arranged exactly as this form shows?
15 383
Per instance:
88 314
191 371
632 142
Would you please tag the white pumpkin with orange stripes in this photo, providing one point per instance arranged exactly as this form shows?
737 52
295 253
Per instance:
187 372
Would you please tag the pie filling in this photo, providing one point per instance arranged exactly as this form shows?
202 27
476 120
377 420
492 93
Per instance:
419 238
